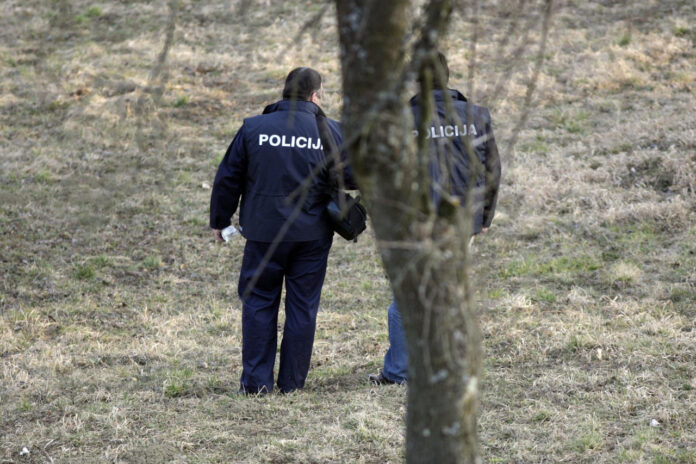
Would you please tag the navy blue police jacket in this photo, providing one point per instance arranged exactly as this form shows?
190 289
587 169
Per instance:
277 166
451 167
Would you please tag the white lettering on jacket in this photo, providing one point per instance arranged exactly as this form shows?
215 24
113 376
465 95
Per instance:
287 141
436 132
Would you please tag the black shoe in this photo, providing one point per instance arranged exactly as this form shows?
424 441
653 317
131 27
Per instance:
379 379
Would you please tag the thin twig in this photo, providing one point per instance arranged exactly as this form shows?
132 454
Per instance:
537 69
158 73
309 24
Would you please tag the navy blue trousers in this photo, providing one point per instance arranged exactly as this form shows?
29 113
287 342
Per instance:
303 267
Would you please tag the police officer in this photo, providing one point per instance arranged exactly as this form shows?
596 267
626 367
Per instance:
277 165
451 170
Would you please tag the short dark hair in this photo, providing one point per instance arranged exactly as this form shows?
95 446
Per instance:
439 69
301 83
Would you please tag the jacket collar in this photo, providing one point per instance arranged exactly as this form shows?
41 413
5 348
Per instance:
439 95
292 105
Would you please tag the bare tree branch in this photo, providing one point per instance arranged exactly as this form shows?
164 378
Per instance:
158 76
527 107
310 24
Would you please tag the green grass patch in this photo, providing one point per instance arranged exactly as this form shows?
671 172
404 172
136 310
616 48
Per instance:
178 383
43 176
643 437
634 239
580 342
623 147
573 122
574 128
219 386
625 40
682 31
84 272
24 406
217 159
685 32
544 295
152 263
682 295
554 266
181 101
496 294
589 439
184 178
94 12
327 374
681 456
624 272
102 261
538 145
197 221
40 268
629 456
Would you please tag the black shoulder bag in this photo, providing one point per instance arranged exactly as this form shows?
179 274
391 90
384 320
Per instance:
348 217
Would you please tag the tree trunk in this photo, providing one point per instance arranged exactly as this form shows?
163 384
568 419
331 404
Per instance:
424 253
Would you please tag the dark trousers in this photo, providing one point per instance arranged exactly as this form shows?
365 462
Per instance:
303 266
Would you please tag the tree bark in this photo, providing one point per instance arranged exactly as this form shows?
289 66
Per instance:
424 252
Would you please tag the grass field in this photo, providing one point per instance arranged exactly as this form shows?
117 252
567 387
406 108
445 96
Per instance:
119 319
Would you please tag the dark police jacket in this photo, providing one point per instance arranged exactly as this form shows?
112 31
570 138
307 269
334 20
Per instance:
450 163
266 164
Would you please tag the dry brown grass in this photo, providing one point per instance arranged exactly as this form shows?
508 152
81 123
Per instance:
119 320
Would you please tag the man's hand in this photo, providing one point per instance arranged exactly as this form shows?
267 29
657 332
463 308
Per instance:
484 230
218 235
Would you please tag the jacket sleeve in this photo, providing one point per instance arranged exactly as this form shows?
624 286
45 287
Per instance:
229 183
493 172
349 182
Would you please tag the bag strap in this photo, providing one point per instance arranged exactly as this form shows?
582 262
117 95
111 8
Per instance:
330 150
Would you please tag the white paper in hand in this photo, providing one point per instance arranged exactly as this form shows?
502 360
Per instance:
229 232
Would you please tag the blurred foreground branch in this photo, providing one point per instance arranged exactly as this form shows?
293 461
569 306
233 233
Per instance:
157 81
